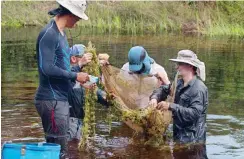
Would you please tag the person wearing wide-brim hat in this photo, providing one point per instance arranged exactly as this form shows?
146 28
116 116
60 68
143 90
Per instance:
191 99
53 56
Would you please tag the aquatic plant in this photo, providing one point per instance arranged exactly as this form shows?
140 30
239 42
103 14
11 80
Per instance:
88 129
150 122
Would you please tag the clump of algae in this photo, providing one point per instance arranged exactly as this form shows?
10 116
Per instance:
88 129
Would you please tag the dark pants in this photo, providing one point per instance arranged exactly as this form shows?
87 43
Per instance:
55 121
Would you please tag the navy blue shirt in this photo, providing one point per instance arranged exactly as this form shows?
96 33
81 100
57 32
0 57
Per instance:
53 57
76 98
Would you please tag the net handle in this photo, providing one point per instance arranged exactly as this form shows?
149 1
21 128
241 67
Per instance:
173 87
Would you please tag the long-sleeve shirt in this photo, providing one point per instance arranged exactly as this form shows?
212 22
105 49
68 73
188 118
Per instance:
76 97
53 57
189 110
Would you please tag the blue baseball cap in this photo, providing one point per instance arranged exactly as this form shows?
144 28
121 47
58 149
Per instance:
77 50
138 57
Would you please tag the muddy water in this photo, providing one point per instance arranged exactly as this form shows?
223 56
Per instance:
224 58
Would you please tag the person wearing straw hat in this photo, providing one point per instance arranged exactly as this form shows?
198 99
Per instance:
191 99
53 58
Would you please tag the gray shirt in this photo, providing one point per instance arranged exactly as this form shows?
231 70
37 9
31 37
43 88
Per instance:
189 110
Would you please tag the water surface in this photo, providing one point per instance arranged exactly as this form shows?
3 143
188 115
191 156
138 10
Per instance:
223 56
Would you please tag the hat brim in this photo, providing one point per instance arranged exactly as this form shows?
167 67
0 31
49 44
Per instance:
147 62
135 68
183 61
73 10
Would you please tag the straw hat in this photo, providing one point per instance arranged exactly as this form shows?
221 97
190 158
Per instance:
189 57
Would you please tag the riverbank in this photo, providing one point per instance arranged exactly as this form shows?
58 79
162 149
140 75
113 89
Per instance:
133 17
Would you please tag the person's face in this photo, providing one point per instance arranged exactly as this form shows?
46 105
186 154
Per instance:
74 60
71 21
183 68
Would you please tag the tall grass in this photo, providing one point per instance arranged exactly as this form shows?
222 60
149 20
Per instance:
140 17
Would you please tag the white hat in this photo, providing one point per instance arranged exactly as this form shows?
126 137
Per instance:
189 57
77 7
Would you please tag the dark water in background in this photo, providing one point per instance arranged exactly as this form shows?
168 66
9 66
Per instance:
224 59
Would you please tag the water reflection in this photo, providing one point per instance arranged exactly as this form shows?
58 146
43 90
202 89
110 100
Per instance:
225 79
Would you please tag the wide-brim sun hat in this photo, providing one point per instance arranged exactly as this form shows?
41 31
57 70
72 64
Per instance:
138 57
189 57
76 7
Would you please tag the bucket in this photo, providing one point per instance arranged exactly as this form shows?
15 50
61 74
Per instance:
30 151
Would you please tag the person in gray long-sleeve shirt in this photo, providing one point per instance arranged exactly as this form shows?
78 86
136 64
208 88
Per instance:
191 100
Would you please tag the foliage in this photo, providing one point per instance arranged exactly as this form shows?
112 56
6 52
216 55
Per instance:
134 17
88 129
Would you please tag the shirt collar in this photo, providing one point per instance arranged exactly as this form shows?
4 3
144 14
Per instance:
191 83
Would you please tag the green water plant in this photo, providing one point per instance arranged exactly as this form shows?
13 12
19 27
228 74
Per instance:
89 124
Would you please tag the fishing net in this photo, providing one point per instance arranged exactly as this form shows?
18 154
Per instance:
132 92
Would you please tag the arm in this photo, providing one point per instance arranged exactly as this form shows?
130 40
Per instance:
161 93
188 114
76 69
47 46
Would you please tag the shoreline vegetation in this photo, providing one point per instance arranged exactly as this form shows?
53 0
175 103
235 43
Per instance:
134 17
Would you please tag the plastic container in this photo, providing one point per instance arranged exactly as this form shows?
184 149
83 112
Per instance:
92 80
30 151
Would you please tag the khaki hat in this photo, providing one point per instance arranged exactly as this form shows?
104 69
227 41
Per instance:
189 57
77 7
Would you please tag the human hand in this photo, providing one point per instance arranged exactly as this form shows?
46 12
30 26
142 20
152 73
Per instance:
103 62
89 86
103 59
153 103
163 106
163 78
85 59
82 77
103 56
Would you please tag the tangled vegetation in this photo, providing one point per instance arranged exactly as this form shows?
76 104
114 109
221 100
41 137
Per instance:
139 17
88 129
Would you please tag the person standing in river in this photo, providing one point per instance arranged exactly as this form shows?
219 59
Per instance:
76 94
53 58
141 64
191 100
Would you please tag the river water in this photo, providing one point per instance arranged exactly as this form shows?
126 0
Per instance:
223 56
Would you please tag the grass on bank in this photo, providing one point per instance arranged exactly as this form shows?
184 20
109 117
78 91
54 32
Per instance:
133 17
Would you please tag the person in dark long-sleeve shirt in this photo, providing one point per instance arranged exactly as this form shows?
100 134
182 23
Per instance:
54 66
53 57
76 95
189 109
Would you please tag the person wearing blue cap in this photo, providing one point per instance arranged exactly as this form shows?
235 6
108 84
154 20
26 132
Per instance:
76 97
143 71
141 63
